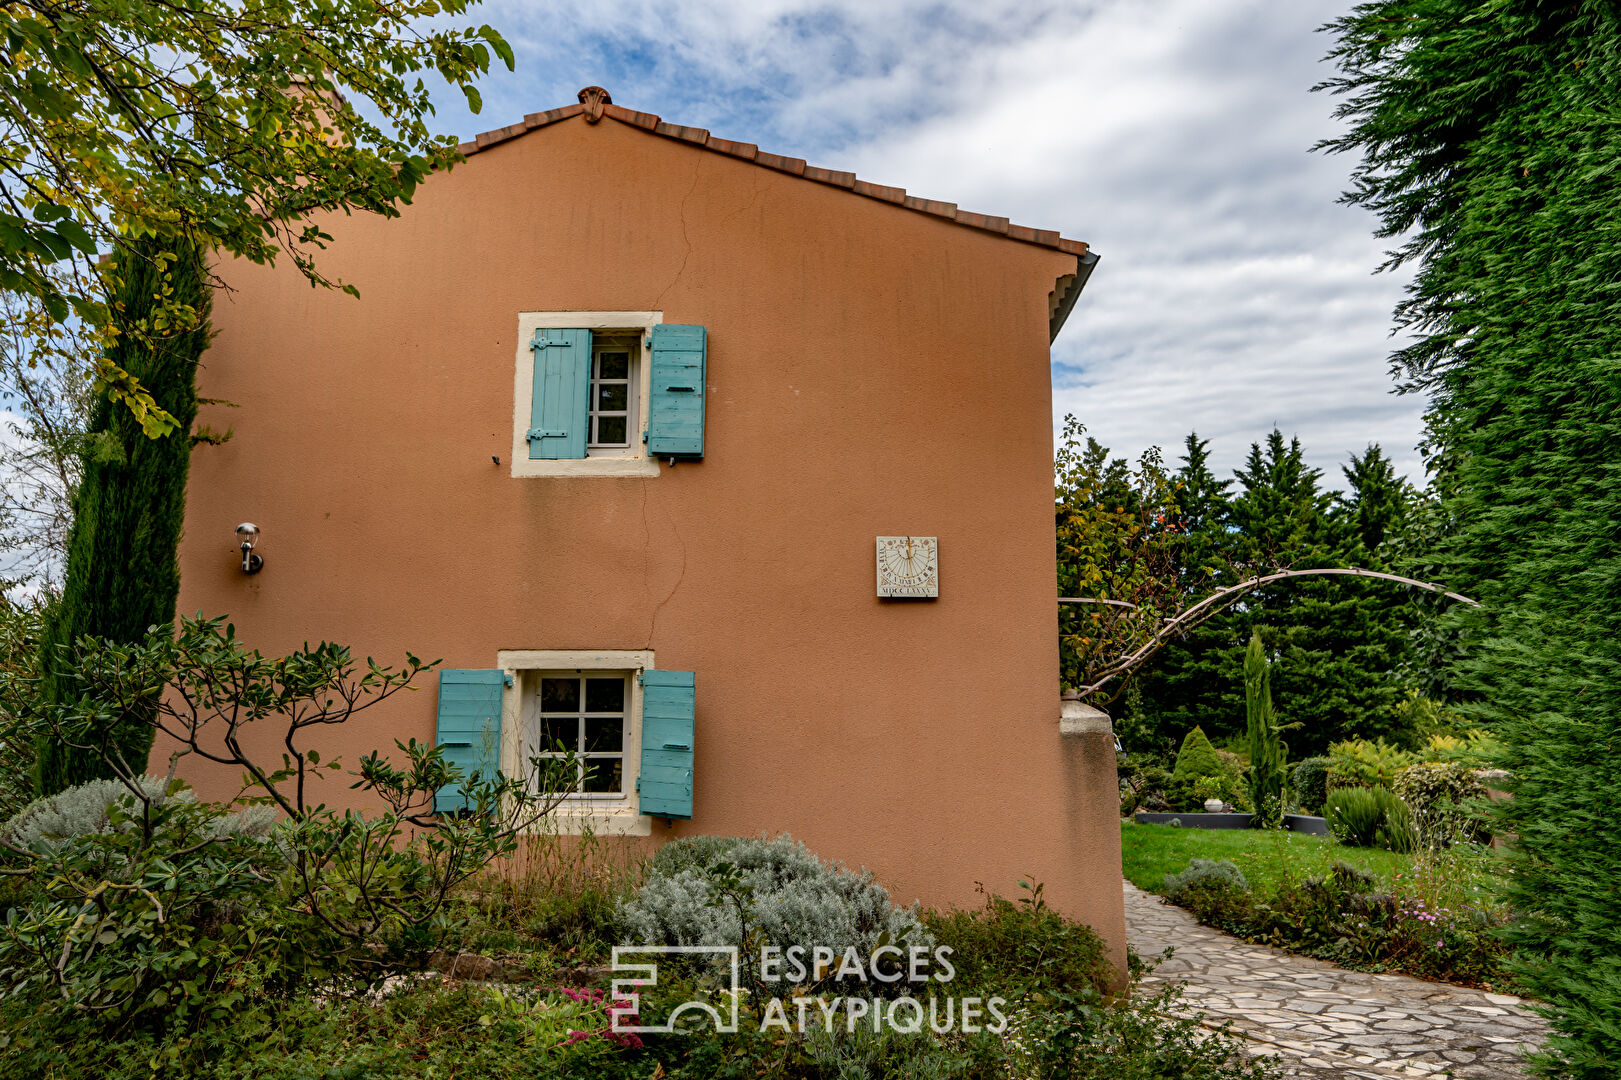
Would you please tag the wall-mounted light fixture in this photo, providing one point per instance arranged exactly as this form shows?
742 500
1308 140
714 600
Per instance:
247 535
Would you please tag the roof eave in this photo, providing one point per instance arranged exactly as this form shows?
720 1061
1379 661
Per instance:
1072 284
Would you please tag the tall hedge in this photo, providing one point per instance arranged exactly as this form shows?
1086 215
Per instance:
1488 139
122 575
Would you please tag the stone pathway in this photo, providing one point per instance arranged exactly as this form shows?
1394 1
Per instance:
1326 1023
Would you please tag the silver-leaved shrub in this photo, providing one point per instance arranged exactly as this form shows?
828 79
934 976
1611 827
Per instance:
699 890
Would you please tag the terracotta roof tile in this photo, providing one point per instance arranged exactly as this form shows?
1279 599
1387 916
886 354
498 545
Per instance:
541 119
830 176
690 134
795 166
746 150
879 191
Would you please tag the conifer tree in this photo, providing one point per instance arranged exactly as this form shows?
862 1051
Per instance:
1268 755
122 575
1487 144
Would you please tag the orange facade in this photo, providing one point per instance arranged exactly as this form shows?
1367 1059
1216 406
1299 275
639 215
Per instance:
872 370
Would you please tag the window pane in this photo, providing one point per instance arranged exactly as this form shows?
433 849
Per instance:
559 733
603 776
604 735
559 695
613 365
605 695
612 396
611 430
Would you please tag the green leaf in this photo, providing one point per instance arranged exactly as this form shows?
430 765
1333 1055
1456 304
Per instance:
474 101
499 44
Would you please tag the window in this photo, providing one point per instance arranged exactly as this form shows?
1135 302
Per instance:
606 393
592 702
584 713
613 393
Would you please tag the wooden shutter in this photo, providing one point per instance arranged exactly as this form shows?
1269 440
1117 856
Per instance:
469 727
664 787
558 413
675 412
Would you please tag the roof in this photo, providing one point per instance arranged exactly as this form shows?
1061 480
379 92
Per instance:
595 103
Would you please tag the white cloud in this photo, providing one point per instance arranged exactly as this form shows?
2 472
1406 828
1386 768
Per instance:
1233 293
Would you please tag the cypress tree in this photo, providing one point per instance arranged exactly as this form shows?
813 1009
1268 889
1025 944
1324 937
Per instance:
1268 755
122 574
1487 142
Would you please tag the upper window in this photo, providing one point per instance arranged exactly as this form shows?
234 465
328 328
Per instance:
606 393
613 394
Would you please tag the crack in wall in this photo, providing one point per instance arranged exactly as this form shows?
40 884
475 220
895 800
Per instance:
658 303
647 546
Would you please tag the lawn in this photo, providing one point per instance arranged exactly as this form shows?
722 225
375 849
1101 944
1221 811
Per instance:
1149 852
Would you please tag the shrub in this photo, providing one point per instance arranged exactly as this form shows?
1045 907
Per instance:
1021 945
1438 793
1360 763
722 890
1144 786
1473 749
1197 757
1203 772
160 914
1370 817
85 811
1310 780
1206 870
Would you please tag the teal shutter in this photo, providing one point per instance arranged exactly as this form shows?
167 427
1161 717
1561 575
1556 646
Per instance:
675 412
665 784
558 412
469 727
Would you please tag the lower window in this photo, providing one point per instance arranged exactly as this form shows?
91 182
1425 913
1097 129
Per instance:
584 713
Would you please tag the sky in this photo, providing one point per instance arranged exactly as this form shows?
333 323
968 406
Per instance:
1234 292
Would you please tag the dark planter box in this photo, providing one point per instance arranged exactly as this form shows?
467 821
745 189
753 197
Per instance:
1300 823
1303 823
1197 821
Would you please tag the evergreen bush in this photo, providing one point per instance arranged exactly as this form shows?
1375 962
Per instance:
1197 757
1310 780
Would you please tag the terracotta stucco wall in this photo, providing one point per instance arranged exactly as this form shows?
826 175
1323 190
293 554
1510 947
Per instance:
871 371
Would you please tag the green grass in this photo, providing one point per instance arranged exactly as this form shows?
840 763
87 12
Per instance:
1149 852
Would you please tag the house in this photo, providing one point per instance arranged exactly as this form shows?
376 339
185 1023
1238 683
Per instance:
733 472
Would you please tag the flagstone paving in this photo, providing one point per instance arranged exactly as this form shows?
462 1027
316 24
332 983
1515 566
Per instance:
1325 1023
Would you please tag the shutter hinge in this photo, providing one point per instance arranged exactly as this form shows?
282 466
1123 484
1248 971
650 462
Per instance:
506 677
539 433
639 678
644 436
638 783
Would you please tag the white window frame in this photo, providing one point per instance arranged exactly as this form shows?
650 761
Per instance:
603 461
603 815
593 414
